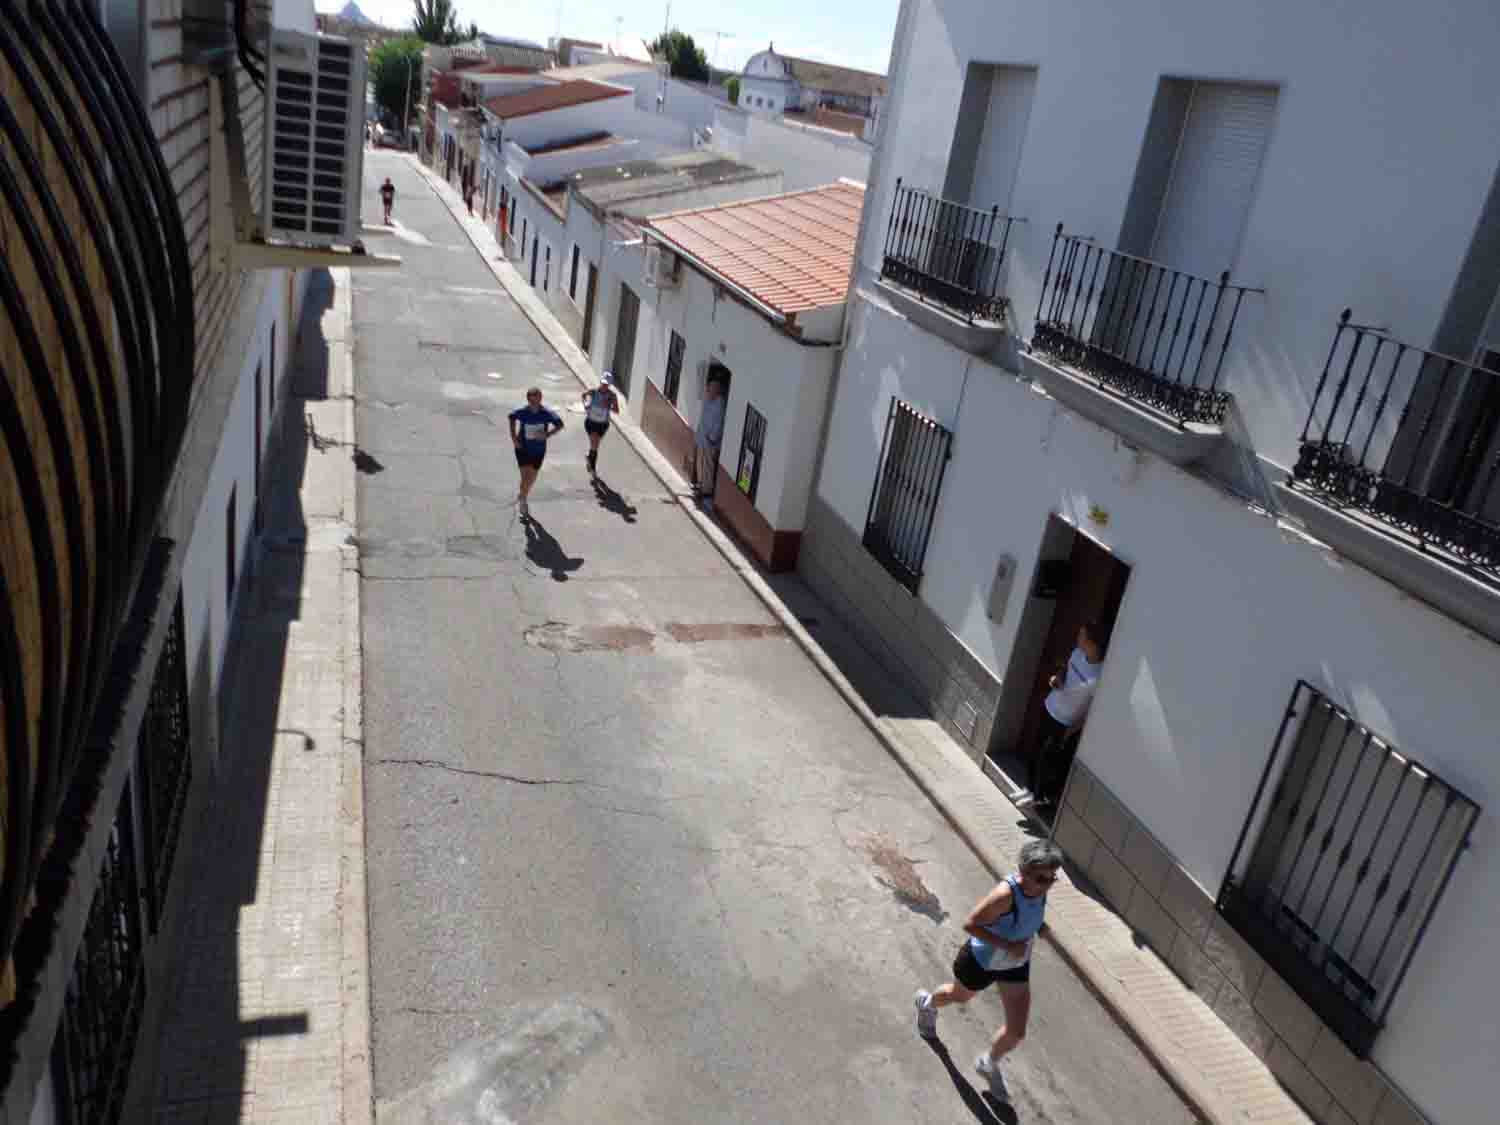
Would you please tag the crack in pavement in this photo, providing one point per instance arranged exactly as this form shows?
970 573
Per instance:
433 763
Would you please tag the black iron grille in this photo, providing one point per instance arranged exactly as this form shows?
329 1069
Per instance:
1153 334
913 458
165 760
948 253
1355 847
1410 437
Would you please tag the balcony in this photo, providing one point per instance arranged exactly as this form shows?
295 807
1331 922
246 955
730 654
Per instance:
1136 345
1398 467
944 267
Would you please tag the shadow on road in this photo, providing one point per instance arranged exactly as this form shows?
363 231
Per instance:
986 1108
611 501
547 553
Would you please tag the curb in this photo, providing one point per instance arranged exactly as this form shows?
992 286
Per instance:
1155 1043
356 1088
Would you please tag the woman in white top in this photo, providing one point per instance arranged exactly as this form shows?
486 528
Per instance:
599 404
1065 708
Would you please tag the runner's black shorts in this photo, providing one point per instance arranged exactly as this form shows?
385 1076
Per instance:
976 978
528 460
595 427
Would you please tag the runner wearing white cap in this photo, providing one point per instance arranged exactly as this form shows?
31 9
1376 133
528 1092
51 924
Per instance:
599 404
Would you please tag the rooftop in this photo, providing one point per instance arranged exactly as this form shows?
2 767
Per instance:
575 144
791 252
824 118
600 71
839 79
545 98
613 185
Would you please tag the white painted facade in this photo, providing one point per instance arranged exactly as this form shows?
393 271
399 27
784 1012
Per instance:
808 156
1226 606
784 379
767 86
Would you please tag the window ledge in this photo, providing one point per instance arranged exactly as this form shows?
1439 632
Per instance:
1446 585
1180 443
984 338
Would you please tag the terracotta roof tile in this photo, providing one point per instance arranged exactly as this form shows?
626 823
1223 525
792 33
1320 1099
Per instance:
792 252
544 98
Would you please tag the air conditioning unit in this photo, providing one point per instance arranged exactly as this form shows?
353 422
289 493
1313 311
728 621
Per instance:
315 122
661 268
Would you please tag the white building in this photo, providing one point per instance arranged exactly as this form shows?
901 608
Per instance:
601 303
1296 552
807 155
773 84
750 294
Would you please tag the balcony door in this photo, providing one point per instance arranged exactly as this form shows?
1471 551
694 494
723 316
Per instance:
1219 153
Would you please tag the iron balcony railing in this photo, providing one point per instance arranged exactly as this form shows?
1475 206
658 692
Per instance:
1151 333
1355 845
948 253
1410 437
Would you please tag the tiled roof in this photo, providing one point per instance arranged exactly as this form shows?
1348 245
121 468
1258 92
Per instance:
551 97
838 79
791 252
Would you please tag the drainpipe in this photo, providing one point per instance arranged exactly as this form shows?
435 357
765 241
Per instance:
899 51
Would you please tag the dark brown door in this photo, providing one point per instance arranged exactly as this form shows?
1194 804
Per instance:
624 357
1093 590
259 437
588 309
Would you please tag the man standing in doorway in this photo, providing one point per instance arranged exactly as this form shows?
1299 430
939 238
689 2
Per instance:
706 441
1064 710
530 427
388 198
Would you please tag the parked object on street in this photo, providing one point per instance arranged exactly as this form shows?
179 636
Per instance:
1001 929
530 427
600 403
710 433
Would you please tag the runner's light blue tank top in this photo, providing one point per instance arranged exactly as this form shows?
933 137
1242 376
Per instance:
1020 923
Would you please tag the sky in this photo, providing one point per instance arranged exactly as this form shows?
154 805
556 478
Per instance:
851 32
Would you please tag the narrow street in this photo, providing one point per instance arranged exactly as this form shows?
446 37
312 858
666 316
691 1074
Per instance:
630 857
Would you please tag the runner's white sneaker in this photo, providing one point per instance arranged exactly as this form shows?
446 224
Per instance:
525 511
927 1015
990 1072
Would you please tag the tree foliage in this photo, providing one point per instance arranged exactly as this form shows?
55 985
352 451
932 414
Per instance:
733 88
685 59
392 65
436 21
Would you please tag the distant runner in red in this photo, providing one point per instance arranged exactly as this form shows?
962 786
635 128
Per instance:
388 198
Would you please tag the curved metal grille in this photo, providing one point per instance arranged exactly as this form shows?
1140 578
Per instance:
96 366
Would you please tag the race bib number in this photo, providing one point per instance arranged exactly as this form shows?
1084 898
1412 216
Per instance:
535 431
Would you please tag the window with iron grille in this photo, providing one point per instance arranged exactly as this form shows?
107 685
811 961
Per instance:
164 762
673 382
913 457
102 1007
1354 845
573 275
752 444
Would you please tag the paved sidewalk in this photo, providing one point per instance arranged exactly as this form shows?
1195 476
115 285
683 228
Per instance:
1210 1066
270 1017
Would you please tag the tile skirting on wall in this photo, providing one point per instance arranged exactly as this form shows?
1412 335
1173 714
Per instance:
908 639
1138 878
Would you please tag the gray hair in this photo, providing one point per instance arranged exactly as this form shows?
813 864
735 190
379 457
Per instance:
1040 853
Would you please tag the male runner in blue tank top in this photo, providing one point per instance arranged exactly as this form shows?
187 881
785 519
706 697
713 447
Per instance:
1001 930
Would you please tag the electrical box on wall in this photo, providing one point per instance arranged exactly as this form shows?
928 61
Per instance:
1005 574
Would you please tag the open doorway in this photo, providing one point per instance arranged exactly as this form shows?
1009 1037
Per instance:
1077 583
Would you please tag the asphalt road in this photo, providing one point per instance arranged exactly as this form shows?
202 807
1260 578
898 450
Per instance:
631 859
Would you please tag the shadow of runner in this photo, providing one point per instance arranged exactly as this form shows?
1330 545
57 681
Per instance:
986 1108
612 501
547 553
